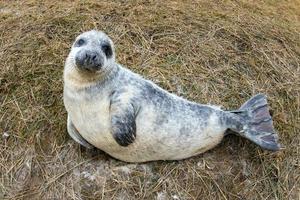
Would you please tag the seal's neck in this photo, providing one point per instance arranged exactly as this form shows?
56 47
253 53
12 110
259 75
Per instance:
79 79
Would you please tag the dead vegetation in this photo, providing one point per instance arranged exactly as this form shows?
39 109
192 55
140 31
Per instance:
221 53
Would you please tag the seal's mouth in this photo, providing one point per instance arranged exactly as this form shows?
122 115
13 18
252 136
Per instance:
90 61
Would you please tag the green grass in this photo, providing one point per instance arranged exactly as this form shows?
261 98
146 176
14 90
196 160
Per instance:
219 53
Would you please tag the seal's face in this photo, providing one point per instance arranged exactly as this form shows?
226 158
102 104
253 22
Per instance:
92 52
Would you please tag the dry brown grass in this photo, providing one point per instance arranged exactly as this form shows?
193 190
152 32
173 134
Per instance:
220 52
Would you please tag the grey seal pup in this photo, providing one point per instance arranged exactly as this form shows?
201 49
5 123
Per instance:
134 120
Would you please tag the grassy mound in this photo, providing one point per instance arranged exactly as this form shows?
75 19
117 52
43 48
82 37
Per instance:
218 53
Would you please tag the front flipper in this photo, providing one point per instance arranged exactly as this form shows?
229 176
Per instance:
75 135
123 116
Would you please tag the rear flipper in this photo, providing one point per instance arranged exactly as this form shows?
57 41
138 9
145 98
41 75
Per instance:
256 123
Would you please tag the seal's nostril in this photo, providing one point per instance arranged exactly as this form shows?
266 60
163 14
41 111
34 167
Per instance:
88 59
94 57
78 61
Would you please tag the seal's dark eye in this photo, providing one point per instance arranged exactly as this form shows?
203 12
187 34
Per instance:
80 42
106 48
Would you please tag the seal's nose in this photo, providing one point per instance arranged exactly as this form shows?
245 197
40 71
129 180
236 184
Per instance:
89 60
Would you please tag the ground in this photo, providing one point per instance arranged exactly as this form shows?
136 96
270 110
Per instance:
217 52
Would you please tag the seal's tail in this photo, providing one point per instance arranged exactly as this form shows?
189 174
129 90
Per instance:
257 123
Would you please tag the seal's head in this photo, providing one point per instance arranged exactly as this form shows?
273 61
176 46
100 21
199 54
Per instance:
92 52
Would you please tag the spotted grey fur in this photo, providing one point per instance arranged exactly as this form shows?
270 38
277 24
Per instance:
132 118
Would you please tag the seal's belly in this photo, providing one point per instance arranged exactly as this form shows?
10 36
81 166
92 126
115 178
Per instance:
158 137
